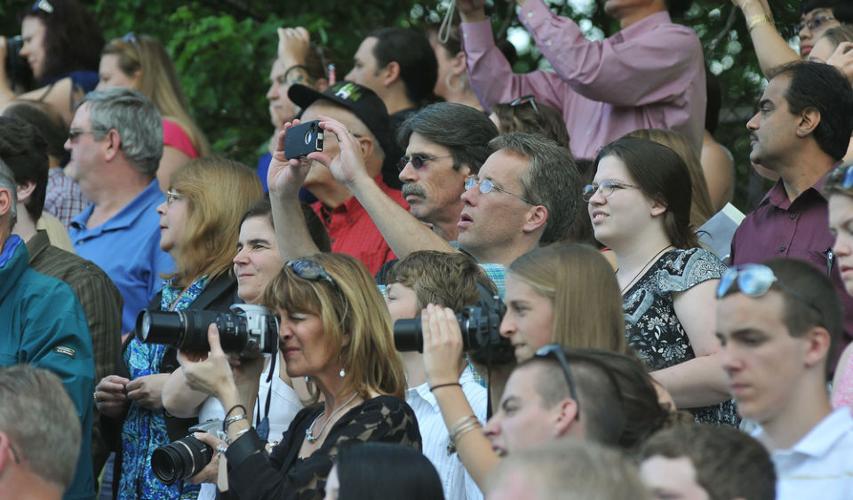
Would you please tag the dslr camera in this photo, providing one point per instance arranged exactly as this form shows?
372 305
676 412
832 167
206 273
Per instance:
186 457
248 329
480 326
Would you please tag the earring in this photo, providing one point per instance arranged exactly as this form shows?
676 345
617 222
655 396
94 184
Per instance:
342 373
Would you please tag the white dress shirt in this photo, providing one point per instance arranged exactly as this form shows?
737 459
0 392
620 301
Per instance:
820 465
457 483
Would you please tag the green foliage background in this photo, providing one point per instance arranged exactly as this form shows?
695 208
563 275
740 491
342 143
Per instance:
223 49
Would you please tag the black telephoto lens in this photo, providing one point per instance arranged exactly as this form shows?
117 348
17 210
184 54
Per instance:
180 460
408 336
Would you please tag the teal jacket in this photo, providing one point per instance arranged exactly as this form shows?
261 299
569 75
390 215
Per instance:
42 324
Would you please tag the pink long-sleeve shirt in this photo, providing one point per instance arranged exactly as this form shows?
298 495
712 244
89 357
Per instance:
648 75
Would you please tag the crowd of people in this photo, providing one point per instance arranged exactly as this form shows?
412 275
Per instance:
474 284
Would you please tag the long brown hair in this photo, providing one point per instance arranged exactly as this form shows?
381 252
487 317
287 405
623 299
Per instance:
580 282
219 192
158 81
355 321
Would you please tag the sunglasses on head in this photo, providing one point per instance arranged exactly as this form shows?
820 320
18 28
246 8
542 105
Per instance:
555 351
41 6
527 99
755 280
311 271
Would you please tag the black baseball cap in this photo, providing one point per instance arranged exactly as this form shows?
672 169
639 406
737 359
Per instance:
364 104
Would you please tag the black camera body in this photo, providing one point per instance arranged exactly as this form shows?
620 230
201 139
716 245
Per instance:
303 139
248 329
480 326
17 69
186 457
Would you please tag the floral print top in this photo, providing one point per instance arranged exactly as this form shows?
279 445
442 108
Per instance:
651 326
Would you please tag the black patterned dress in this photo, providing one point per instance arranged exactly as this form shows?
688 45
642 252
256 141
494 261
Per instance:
283 475
651 326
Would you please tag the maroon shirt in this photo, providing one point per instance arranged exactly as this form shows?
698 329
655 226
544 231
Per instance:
353 232
798 229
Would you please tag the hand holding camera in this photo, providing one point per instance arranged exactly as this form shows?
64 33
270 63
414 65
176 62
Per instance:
213 374
471 11
293 45
842 59
348 166
442 344
287 171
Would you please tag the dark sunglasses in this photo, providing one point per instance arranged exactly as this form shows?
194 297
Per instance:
755 280
555 351
419 160
311 271
527 99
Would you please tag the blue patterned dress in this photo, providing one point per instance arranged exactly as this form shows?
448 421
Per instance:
651 326
144 430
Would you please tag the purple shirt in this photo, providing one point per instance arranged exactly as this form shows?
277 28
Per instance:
797 229
649 75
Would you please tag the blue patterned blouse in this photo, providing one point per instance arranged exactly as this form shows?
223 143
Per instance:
144 430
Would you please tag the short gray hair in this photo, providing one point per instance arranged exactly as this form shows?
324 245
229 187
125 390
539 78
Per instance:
7 181
137 121
552 180
40 419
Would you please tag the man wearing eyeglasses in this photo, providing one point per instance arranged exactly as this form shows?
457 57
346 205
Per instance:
116 141
776 324
650 74
801 130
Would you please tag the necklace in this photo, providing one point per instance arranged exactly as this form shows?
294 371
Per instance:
640 272
309 433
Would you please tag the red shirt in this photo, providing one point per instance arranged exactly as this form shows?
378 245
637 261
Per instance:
352 230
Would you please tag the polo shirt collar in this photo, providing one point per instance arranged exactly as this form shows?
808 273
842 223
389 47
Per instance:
126 216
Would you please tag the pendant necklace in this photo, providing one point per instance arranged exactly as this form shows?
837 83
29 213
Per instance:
309 432
640 272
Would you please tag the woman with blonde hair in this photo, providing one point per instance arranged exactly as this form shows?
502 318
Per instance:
140 62
199 223
335 330
565 294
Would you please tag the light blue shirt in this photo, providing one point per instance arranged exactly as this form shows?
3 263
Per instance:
127 248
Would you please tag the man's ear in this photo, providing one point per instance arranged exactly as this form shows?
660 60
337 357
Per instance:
817 345
459 63
113 145
536 217
25 190
567 414
809 121
391 73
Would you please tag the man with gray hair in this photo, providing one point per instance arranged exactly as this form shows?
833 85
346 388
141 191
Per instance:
43 325
39 435
116 141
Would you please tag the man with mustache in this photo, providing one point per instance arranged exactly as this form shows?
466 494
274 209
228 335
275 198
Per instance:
801 130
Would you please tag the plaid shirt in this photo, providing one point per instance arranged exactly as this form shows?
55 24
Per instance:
63 199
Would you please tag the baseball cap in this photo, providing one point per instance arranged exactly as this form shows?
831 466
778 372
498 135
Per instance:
367 107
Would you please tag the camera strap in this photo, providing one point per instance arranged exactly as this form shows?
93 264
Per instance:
262 425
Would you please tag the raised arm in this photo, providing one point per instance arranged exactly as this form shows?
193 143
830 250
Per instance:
284 179
772 50
626 69
489 72
402 231
442 355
